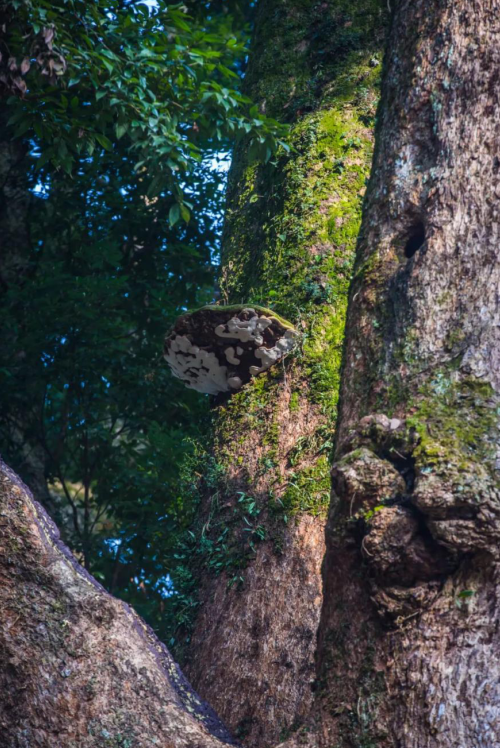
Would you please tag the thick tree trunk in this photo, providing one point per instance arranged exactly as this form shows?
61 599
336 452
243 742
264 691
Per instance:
79 668
408 648
289 243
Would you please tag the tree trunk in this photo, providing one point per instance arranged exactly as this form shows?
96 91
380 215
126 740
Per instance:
408 646
289 244
79 668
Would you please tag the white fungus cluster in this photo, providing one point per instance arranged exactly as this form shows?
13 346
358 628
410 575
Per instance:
201 370
270 356
251 330
245 329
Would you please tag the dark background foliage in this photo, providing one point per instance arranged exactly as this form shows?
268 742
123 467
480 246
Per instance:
113 117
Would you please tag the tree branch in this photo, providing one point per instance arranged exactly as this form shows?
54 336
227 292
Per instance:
64 641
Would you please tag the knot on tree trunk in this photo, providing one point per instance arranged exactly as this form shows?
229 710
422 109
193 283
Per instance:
414 517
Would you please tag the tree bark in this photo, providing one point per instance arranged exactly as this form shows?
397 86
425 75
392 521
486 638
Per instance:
79 668
408 649
289 243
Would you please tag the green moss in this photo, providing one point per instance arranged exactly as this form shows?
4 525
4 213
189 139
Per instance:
308 490
306 248
247 405
239 307
323 356
294 402
370 269
456 422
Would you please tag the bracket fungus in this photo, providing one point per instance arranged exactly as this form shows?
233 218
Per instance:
219 348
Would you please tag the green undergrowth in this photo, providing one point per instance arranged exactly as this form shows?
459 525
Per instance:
307 490
222 538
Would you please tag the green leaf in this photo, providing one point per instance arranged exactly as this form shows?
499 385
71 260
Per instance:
109 67
16 116
22 128
120 131
174 214
44 158
104 141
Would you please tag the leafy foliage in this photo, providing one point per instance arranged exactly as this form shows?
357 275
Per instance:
159 78
115 116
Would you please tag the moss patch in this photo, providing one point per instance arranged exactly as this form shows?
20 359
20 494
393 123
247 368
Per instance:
456 421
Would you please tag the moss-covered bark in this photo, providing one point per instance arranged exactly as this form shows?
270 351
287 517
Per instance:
289 243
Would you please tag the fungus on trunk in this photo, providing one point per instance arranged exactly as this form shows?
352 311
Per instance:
219 348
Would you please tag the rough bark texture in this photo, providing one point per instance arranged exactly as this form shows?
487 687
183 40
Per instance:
79 668
288 244
408 647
